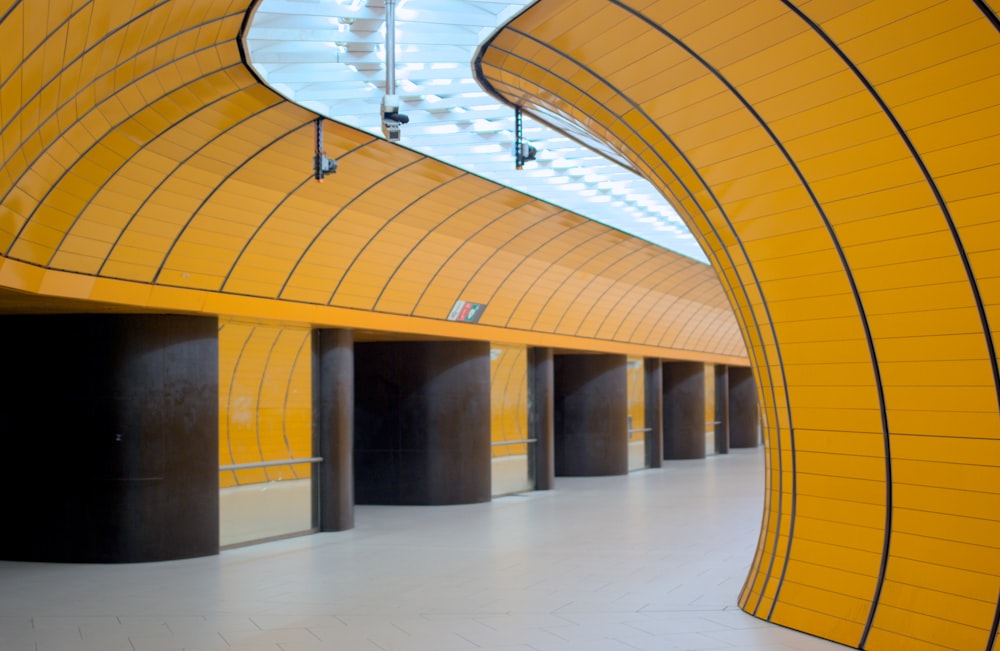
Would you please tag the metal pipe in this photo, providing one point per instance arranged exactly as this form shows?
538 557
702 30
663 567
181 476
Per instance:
496 443
390 47
266 464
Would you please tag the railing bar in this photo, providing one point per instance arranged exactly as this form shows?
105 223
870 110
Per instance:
496 443
265 464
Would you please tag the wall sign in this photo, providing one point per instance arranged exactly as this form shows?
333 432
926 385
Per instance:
466 311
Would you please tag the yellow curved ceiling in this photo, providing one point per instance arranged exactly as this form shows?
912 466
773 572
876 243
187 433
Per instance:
840 163
145 167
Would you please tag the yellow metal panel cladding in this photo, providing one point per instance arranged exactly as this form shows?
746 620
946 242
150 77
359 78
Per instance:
839 163
137 148
636 397
509 399
265 400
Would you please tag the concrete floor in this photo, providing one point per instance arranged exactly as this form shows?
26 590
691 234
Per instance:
651 560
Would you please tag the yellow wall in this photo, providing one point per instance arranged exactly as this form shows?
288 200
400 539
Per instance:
637 395
146 167
265 400
509 398
840 164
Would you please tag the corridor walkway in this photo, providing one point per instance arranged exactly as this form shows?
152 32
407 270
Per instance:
653 561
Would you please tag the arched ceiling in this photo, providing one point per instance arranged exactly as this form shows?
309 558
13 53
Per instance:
840 163
146 167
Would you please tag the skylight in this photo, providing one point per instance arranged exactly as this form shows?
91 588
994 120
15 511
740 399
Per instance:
329 56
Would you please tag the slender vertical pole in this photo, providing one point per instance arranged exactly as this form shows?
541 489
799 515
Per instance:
390 47
518 139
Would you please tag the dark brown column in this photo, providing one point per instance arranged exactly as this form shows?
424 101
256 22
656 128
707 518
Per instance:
743 418
721 409
591 414
683 410
654 412
333 400
541 417
422 422
111 438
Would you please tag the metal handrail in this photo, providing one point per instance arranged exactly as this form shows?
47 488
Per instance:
265 464
496 443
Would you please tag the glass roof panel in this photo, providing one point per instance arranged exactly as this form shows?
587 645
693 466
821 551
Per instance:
330 56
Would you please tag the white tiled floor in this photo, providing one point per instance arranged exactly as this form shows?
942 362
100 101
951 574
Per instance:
652 560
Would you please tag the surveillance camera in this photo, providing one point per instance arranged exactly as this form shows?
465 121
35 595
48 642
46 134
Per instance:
323 166
390 129
392 119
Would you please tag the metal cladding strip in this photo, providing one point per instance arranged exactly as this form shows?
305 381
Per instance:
959 245
229 406
303 352
489 87
989 12
569 277
482 265
166 177
246 161
932 184
861 313
81 157
12 119
700 314
374 184
55 77
270 215
454 214
613 281
991 643
553 264
638 299
621 295
261 386
426 193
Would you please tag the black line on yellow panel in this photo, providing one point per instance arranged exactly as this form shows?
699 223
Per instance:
278 206
990 14
229 404
691 315
96 107
163 180
496 220
423 238
261 381
528 291
9 10
41 43
676 268
385 224
306 338
572 274
664 307
992 642
477 63
959 245
612 285
525 257
692 329
319 232
208 197
854 289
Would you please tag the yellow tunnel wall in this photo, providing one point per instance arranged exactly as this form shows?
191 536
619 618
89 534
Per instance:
508 399
840 164
265 400
143 166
